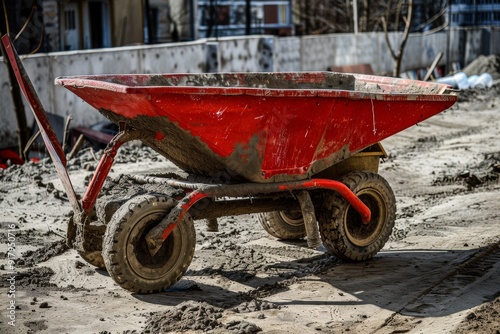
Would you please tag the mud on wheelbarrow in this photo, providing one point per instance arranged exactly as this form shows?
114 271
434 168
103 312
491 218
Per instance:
301 149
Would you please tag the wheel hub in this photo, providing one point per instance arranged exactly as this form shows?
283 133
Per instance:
363 234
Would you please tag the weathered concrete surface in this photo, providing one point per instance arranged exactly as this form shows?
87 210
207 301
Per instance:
287 54
246 54
495 36
173 58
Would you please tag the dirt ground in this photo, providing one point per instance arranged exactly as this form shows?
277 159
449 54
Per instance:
439 272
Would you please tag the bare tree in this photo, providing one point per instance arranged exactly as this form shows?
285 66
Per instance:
398 55
15 91
337 16
323 16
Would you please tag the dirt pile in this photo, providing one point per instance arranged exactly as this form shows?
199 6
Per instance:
482 320
486 96
484 172
197 316
484 64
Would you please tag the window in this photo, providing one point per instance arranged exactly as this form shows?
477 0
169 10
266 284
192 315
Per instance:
69 20
98 22
270 14
214 15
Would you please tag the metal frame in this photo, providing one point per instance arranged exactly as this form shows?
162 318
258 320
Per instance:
195 192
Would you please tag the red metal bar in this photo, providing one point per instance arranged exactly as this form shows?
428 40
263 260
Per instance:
192 198
49 137
339 187
101 173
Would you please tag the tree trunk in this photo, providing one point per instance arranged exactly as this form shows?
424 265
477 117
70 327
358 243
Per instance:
15 92
406 33
398 57
365 16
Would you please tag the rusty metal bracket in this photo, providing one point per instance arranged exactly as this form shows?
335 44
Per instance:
102 171
309 216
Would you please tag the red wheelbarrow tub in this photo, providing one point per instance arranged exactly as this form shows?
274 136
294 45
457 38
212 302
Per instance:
262 127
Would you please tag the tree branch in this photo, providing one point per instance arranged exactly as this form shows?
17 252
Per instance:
33 8
387 40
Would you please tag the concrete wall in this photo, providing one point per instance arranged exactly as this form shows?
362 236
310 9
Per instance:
288 54
494 40
246 54
238 54
320 52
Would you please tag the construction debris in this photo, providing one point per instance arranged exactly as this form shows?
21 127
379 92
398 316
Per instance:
461 81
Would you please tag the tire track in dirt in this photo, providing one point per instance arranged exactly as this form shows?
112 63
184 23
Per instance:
475 278
472 170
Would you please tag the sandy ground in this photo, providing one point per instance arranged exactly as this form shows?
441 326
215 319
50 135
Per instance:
438 273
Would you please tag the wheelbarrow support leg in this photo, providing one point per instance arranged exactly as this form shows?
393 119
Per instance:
102 170
212 225
310 222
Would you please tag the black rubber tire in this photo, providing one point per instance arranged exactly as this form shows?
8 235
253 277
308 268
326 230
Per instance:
125 252
71 231
342 231
93 257
95 235
283 224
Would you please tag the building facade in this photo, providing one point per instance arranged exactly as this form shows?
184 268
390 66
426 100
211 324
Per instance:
91 24
469 13
219 18
56 25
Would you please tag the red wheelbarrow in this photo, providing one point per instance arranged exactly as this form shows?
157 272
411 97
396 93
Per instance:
301 149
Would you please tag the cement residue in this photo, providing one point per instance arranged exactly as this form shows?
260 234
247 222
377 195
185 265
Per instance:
116 191
188 315
226 255
230 260
35 277
301 81
241 327
32 258
196 316
187 152
36 325
325 80
487 171
30 236
86 159
428 143
24 174
130 152
482 320
396 87
484 64
255 305
479 96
